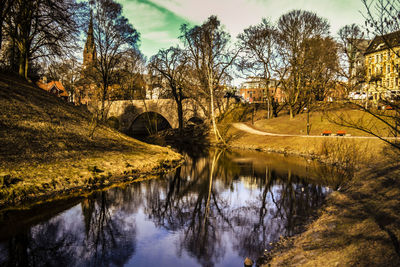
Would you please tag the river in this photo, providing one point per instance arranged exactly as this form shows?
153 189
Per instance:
215 210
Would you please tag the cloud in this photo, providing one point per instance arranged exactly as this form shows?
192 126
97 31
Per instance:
158 26
163 37
239 14
142 16
158 21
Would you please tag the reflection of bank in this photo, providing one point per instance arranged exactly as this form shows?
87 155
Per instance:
252 163
280 203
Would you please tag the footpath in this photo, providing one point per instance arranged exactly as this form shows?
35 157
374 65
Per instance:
248 129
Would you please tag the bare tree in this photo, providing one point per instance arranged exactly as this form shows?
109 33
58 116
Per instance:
352 47
321 67
210 59
258 56
41 28
5 7
113 36
68 72
130 76
172 64
294 29
381 16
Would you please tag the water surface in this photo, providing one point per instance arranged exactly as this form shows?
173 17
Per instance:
215 210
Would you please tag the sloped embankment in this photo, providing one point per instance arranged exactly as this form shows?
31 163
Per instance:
45 149
358 227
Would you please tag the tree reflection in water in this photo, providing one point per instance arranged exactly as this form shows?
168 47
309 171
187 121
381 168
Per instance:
226 205
109 236
103 238
203 212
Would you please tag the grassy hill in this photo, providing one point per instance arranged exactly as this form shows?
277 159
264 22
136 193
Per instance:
324 120
45 149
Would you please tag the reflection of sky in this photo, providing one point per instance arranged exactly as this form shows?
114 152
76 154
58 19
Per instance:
157 245
239 201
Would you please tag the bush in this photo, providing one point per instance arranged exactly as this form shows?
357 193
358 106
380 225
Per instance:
347 154
113 122
236 113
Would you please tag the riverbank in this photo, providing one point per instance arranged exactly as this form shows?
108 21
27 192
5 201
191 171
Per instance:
46 152
359 224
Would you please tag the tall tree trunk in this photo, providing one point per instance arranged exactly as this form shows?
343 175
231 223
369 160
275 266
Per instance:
291 112
214 123
1 32
26 66
180 115
21 64
177 93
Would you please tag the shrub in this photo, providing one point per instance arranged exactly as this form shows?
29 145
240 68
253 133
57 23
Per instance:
113 122
346 154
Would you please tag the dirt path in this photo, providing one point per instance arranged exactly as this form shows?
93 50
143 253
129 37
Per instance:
248 129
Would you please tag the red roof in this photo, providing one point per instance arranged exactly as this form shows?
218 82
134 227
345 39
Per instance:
53 84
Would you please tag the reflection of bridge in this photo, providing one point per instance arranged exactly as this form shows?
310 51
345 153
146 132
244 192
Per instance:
133 115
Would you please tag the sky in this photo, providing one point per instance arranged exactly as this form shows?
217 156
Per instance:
158 21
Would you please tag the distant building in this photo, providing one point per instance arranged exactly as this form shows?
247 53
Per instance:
254 90
382 65
358 69
155 87
54 87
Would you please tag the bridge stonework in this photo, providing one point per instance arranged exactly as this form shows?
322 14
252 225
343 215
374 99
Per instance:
127 111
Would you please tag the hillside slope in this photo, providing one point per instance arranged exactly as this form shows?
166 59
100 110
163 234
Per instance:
45 147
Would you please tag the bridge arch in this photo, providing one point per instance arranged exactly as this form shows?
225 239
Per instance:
128 111
147 123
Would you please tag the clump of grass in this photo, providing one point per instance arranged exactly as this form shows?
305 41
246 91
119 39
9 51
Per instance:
346 154
94 169
7 180
113 122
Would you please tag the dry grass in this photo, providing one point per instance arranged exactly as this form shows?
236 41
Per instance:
313 147
322 120
45 147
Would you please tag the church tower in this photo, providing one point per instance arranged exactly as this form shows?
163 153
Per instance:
89 52
84 92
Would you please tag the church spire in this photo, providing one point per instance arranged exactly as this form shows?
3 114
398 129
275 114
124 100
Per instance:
89 53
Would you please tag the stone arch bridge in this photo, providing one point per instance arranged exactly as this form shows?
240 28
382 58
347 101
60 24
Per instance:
132 114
